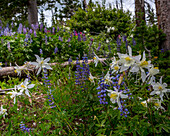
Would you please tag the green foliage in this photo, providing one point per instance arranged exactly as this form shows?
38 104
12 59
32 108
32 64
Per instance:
23 50
95 20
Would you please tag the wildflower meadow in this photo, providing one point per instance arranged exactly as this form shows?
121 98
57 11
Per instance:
61 81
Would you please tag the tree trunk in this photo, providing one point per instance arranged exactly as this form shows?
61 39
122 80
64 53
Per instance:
163 11
84 5
32 12
121 3
139 11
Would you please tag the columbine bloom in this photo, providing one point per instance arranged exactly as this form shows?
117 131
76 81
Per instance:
107 78
140 65
157 104
153 71
91 78
159 89
14 94
96 59
41 63
24 87
3 111
127 60
114 65
144 103
115 96
18 70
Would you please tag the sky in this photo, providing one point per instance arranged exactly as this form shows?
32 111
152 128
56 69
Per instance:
127 5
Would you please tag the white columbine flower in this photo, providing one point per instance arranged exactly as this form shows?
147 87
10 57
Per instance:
153 71
140 65
14 94
144 103
3 111
115 96
91 78
18 70
107 78
114 65
96 59
157 104
159 89
24 86
41 63
127 60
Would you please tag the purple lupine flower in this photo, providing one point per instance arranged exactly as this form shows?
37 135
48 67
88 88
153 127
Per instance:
53 30
118 41
79 37
99 47
45 30
60 39
41 52
36 26
33 27
64 30
20 28
124 38
75 33
84 37
58 29
30 31
91 40
102 93
68 40
45 39
24 30
133 41
35 35
24 128
41 26
69 60
55 50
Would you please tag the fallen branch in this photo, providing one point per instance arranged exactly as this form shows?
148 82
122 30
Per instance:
9 71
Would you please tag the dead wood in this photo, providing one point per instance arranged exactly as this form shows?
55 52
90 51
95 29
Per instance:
6 72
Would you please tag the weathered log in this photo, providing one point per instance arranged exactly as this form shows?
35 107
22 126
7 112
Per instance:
9 71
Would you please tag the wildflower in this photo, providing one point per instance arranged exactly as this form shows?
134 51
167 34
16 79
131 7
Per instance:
127 60
157 104
107 78
115 96
159 89
144 103
41 63
140 65
24 86
114 65
18 70
91 78
55 50
96 59
14 94
3 111
153 71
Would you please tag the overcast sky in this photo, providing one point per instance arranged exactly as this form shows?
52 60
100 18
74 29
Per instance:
127 5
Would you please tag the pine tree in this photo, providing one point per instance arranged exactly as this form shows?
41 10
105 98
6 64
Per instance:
69 7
